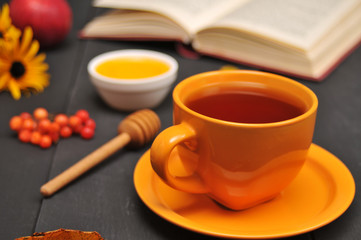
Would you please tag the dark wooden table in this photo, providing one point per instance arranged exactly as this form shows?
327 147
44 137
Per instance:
104 199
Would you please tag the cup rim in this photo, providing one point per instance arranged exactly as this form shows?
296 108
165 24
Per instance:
311 110
173 66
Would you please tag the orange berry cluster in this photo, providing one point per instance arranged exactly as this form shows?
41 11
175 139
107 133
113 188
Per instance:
40 130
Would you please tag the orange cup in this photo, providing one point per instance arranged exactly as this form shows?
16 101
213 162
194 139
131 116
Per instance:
239 165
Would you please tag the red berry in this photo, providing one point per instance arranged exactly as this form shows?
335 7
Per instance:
75 122
40 113
87 133
78 129
25 115
45 141
54 127
90 123
82 114
54 136
61 119
24 135
16 123
35 137
66 132
29 124
44 125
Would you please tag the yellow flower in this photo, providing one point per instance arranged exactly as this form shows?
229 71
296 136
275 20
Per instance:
8 33
21 69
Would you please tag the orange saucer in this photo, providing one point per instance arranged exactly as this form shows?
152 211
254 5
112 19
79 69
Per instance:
322 191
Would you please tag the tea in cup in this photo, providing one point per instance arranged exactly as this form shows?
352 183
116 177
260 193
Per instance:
245 135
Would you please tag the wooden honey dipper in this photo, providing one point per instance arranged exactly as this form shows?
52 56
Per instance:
135 130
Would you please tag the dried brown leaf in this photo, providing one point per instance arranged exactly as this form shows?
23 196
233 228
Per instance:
64 234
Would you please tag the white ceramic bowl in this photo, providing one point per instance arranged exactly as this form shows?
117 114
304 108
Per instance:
128 95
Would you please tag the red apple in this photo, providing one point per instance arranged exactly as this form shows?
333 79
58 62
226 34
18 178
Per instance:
50 20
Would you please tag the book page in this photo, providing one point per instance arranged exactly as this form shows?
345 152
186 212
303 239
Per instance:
299 23
133 24
190 14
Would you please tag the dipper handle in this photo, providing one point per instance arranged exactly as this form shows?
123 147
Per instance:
85 164
141 126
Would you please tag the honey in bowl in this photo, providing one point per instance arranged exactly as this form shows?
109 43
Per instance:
132 67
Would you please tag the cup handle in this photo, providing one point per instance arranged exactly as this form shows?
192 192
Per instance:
160 152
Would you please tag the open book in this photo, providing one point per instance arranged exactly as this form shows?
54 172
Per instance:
305 38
